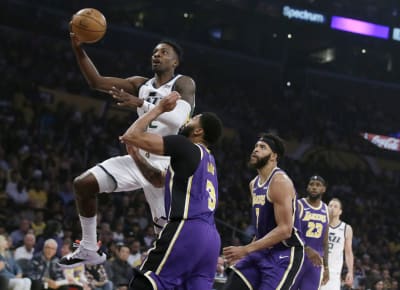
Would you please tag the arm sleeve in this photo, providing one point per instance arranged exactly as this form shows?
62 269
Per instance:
176 118
185 156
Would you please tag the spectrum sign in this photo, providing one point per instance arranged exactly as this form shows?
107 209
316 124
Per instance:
303 14
359 27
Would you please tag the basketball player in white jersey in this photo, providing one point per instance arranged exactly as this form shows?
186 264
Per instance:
122 173
340 241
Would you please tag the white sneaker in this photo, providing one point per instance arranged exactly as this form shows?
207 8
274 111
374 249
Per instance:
82 256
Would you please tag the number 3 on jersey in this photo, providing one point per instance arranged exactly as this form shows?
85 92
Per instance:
212 197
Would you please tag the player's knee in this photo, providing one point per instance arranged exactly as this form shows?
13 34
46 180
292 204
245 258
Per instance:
140 283
85 183
235 283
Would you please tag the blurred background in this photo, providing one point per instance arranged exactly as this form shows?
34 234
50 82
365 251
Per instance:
324 75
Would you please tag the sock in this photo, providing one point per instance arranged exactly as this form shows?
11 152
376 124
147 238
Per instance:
89 235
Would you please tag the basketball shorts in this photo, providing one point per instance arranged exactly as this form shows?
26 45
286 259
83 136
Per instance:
183 257
310 276
271 269
122 174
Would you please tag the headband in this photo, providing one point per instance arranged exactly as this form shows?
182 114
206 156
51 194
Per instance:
319 178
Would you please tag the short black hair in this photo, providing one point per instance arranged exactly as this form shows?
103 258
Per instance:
275 143
212 126
177 48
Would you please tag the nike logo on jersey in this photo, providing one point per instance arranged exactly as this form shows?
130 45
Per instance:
283 257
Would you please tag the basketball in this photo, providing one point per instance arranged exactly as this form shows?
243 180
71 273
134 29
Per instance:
89 25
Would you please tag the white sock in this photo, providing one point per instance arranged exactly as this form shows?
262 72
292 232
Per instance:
89 235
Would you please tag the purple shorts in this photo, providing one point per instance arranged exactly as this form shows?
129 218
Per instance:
186 253
310 276
271 269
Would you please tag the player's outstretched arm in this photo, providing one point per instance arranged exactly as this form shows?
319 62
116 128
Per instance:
93 77
136 134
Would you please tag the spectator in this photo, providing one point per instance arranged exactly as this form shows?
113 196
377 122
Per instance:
97 277
26 250
135 256
51 231
149 237
378 285
44 271
18 235
38 225
118 233
10 270
119 271
37 195
16 188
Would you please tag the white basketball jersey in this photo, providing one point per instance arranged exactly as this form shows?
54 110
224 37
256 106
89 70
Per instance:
336 247
153 95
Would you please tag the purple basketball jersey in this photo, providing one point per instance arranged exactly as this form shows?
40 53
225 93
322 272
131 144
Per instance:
186 252
314 224
264 216
276 267
196 197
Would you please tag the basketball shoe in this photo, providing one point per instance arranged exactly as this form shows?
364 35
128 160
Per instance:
82 256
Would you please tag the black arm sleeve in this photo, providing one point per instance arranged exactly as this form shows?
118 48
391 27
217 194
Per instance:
185 156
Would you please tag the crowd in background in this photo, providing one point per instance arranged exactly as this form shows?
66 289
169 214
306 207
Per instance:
43 148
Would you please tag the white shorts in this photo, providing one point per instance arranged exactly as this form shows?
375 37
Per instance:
122 174
334 282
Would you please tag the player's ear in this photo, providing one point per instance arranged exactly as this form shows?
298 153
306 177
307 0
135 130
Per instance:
274 156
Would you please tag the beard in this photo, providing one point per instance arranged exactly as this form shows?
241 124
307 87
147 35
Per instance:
314 196
260 162
186 131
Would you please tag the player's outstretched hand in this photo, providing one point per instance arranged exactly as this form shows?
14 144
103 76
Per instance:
233 254
125 99
74 38
168 103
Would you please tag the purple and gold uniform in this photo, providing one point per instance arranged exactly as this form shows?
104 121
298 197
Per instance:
187 249
314 224
278 266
